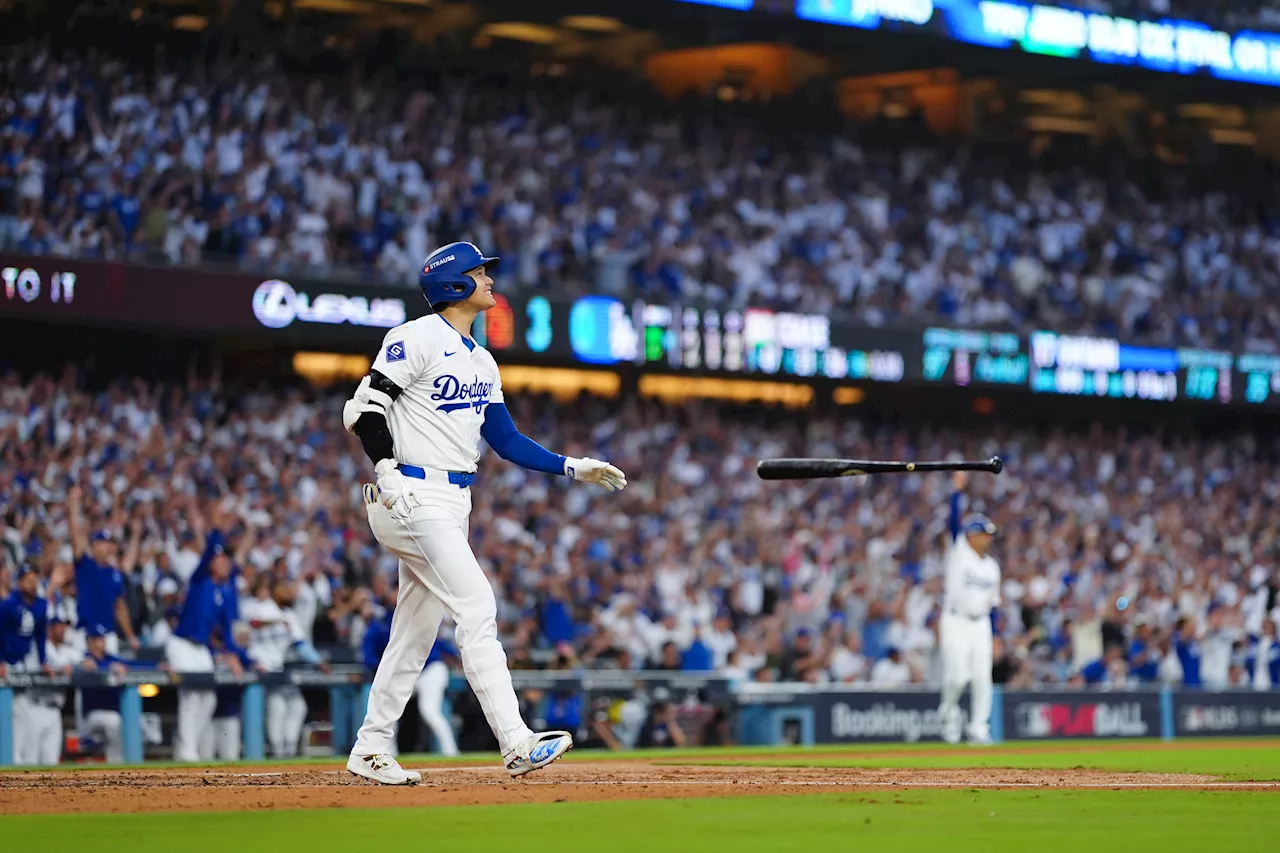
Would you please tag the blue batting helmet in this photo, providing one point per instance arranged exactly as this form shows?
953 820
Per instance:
979 523
444 278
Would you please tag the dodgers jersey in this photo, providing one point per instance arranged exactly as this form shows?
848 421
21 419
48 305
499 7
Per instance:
972 584
448 380
272 632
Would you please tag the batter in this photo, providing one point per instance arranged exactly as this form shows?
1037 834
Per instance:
972 590
430 396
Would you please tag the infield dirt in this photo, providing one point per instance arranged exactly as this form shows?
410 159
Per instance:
306 787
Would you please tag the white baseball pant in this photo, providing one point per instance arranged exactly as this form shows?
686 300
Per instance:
37 732
107 726
286 714
221 739
195 707
431 687
438 574
966 662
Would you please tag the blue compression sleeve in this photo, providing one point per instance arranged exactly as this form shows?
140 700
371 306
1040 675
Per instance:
954 520
509 443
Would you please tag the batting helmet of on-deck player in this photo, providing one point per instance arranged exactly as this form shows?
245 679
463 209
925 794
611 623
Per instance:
444 278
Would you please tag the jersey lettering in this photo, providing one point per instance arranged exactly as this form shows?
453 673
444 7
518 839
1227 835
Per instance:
971 579
472 395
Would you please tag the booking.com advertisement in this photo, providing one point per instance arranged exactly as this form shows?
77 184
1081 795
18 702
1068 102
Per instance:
1172 45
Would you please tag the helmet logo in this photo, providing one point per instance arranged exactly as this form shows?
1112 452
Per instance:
433 264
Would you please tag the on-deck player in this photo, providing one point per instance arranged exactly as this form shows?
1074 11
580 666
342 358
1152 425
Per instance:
971 591
420 413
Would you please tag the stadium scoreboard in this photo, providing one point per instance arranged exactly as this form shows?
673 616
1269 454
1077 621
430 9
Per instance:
603 330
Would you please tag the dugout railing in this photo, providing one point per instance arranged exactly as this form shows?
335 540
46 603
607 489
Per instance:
760 714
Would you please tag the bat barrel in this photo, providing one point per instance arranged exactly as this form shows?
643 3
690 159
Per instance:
811 469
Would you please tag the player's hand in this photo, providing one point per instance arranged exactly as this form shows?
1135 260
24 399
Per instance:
589 470
393 491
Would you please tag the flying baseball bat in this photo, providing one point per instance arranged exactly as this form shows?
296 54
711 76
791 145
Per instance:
811 469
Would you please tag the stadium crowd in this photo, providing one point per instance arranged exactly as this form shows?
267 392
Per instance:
1127 557
197 159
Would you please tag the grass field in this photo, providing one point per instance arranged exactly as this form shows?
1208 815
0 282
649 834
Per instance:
953 818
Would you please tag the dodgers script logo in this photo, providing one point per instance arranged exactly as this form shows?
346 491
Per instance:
474 395
974 580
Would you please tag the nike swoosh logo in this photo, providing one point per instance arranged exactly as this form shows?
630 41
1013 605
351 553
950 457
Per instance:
446 355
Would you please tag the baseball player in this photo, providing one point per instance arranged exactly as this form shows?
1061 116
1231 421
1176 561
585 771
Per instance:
210 603
99 584
101 705
971 590
1263 660
223 739
430 690
24 619
274 630
430 396
43 739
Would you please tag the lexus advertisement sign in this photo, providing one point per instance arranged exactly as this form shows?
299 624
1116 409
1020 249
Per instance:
1081 715
196 300
213 302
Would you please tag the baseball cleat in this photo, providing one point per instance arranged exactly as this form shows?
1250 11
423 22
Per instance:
383 769
537 751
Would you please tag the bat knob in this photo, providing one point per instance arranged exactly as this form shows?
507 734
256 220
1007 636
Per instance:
997 464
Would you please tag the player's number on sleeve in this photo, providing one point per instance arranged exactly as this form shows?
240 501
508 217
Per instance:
538 335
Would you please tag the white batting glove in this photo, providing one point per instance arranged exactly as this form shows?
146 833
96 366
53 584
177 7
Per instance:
393 490
589 470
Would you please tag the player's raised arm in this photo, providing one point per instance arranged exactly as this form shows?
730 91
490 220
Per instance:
75 522
958 481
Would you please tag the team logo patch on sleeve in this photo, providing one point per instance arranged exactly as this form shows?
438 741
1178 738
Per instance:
395 352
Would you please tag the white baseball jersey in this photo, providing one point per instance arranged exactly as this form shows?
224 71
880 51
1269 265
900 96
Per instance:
448 381
59 657
972 584
270 642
